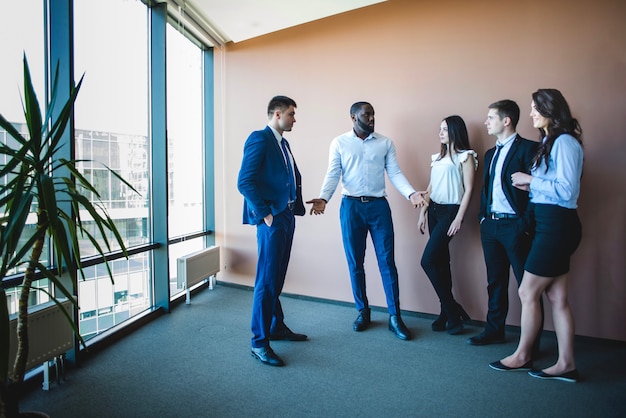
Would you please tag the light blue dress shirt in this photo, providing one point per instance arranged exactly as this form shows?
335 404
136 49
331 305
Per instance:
560 185
361 165
279 138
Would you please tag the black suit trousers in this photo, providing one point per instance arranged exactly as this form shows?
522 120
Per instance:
505 246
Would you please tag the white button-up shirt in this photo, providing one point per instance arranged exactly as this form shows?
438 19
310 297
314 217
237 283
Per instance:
361 166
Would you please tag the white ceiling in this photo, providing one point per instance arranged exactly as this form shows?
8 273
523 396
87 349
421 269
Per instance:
238 20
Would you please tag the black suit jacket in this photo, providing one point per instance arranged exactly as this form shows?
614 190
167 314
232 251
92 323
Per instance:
519 158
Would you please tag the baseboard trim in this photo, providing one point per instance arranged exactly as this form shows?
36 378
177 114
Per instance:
513 329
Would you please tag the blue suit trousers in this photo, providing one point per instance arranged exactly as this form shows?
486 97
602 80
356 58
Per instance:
357 219
274 249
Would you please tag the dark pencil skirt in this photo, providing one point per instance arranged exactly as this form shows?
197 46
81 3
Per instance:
557 233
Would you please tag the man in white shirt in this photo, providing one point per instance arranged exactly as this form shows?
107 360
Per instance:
359 158
504 223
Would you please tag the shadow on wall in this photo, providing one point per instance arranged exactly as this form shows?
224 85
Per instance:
240 262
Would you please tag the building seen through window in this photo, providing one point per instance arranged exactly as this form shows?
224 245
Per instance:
112 128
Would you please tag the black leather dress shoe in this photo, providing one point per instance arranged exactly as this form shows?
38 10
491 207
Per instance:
497 365
362 321
397 327
485 339
267 356
287 335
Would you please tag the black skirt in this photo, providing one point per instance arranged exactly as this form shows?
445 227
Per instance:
557 234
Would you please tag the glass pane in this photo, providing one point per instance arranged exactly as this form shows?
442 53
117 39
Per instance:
111 130
112 110
185 139
35 297
104 304
21 33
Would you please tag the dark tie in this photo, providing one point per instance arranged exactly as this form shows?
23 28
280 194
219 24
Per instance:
492 175
292 194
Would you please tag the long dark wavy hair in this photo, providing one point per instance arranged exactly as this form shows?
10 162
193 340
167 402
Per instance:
551 104
457 135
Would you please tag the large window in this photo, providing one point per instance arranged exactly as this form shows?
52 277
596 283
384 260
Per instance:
22 34
114 129
111 130
185 150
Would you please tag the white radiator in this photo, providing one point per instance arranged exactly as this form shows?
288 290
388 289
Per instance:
49 335
196 267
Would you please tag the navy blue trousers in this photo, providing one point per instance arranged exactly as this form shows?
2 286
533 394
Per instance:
274 249
357 220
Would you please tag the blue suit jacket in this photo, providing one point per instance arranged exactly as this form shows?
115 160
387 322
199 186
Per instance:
264 178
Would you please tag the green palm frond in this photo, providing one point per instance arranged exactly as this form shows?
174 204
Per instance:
32 183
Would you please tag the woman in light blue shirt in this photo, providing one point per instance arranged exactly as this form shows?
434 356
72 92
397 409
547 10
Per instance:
554 186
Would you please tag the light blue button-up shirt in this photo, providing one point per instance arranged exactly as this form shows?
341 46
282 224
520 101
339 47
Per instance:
279 138
361 165
560 185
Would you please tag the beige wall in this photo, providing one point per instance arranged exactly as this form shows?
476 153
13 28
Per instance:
418 62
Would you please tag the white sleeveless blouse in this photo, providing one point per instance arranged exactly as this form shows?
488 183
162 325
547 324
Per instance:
446 177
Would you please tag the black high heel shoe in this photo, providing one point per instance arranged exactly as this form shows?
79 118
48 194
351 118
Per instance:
464 315
455 326
439 324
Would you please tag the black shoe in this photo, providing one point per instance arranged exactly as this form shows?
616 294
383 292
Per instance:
485 339
397 327
464 315
439 324
571 376
267 356
497 365
286 334
455 327
457 320
362 321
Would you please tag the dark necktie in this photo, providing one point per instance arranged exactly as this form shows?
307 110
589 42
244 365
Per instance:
292 193
492 175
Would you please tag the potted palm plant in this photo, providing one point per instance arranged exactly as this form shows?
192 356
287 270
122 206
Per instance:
36 179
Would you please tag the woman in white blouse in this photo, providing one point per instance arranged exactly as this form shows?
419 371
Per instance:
444 202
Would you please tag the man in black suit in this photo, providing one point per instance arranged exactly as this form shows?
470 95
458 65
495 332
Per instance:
504 222
270 183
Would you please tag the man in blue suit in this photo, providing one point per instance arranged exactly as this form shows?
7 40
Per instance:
270 183
504 220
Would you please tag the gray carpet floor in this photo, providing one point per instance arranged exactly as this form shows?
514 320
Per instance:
195 362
